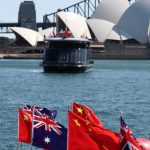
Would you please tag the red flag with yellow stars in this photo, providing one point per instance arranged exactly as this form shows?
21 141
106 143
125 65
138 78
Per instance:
24 126
86 113
82 133
78 134
106 137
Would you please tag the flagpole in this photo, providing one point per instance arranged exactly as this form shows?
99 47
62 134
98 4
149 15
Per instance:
32 126
121 113
68 128
17 146
21 146
18 128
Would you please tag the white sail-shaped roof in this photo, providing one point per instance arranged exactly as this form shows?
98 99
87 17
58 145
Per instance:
114 36
118 36
75 23
110 10
136 20
104 30
46 32
29 35
100 28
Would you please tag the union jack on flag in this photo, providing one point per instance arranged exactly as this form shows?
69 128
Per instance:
51 113
129 146
28 109
41 120
47 132
128 141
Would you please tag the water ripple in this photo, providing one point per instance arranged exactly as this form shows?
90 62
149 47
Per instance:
112 86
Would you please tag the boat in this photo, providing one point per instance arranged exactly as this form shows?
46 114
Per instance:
66 55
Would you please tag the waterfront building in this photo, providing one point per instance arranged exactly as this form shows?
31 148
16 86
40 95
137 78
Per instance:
118 19
116 22
27 15
120 30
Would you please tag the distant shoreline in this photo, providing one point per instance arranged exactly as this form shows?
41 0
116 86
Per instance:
21 56
108 51
93 56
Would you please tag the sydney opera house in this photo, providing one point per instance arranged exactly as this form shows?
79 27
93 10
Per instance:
116 28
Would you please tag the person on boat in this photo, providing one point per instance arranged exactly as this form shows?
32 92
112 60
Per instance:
67 33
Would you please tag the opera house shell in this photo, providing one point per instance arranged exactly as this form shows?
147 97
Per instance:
114 20
104 19
46 33
30 36
119 21
136 20
75 23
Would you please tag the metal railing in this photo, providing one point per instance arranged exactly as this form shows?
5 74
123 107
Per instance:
85 8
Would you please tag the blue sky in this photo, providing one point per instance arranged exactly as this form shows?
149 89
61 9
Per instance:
9 8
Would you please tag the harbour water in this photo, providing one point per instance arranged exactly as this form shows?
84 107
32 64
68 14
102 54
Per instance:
112 86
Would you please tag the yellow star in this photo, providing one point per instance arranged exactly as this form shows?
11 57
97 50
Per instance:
90 130
80 110
88 115
87 123
76 122
25 118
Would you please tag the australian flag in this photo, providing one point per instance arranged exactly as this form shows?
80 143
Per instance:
51 113
47 133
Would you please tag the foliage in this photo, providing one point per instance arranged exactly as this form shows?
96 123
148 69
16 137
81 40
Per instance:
5 41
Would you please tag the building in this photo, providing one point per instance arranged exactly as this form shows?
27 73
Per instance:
27 15
120 30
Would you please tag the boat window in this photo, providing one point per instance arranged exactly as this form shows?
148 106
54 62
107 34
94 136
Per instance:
51 55
71 53
67 45
73 56
63 56
81 56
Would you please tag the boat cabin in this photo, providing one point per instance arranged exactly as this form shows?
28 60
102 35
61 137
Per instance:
66 55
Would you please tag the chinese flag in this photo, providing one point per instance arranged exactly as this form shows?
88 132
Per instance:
24 126
106 137
86 113
78 137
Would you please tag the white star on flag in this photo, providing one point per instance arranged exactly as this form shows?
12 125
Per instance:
47 140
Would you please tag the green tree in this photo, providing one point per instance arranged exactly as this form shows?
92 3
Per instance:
5 41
